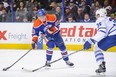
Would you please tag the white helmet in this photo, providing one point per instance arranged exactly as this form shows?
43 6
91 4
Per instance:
102 12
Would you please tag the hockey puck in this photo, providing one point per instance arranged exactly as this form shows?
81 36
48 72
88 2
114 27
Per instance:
22 67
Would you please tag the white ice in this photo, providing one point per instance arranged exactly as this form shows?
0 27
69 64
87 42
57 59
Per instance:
84 61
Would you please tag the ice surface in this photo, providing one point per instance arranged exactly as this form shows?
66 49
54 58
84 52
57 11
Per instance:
85 64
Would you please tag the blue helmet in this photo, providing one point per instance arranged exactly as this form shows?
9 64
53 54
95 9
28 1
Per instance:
41 12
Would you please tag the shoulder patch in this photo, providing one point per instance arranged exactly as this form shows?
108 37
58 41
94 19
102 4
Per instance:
51 17
37 23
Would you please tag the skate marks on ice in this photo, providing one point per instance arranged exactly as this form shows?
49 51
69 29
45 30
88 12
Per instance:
102 76
43 69
85 75
56 70
59 69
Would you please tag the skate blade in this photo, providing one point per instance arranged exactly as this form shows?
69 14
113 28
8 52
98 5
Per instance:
101 74
47 67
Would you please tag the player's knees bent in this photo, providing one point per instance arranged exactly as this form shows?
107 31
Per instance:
50 44
62 47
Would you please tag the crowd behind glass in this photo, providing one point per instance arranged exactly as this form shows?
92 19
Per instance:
74 10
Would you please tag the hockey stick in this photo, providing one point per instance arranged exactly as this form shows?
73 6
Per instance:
5 69
50 62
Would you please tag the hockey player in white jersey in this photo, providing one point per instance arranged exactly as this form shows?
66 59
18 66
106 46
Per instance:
104 39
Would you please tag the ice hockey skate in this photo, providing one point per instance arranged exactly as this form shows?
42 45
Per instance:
69 63
47 65
101 69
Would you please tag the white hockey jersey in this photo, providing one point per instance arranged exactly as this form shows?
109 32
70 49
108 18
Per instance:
105 27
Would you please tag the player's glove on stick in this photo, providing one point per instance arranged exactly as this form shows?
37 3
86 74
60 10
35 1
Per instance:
47 27
88 44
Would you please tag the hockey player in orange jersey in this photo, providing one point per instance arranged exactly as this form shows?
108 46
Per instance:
48 25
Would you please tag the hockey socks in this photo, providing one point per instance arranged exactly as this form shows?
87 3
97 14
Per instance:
66 59
99 56
64 54
49 55
100 59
